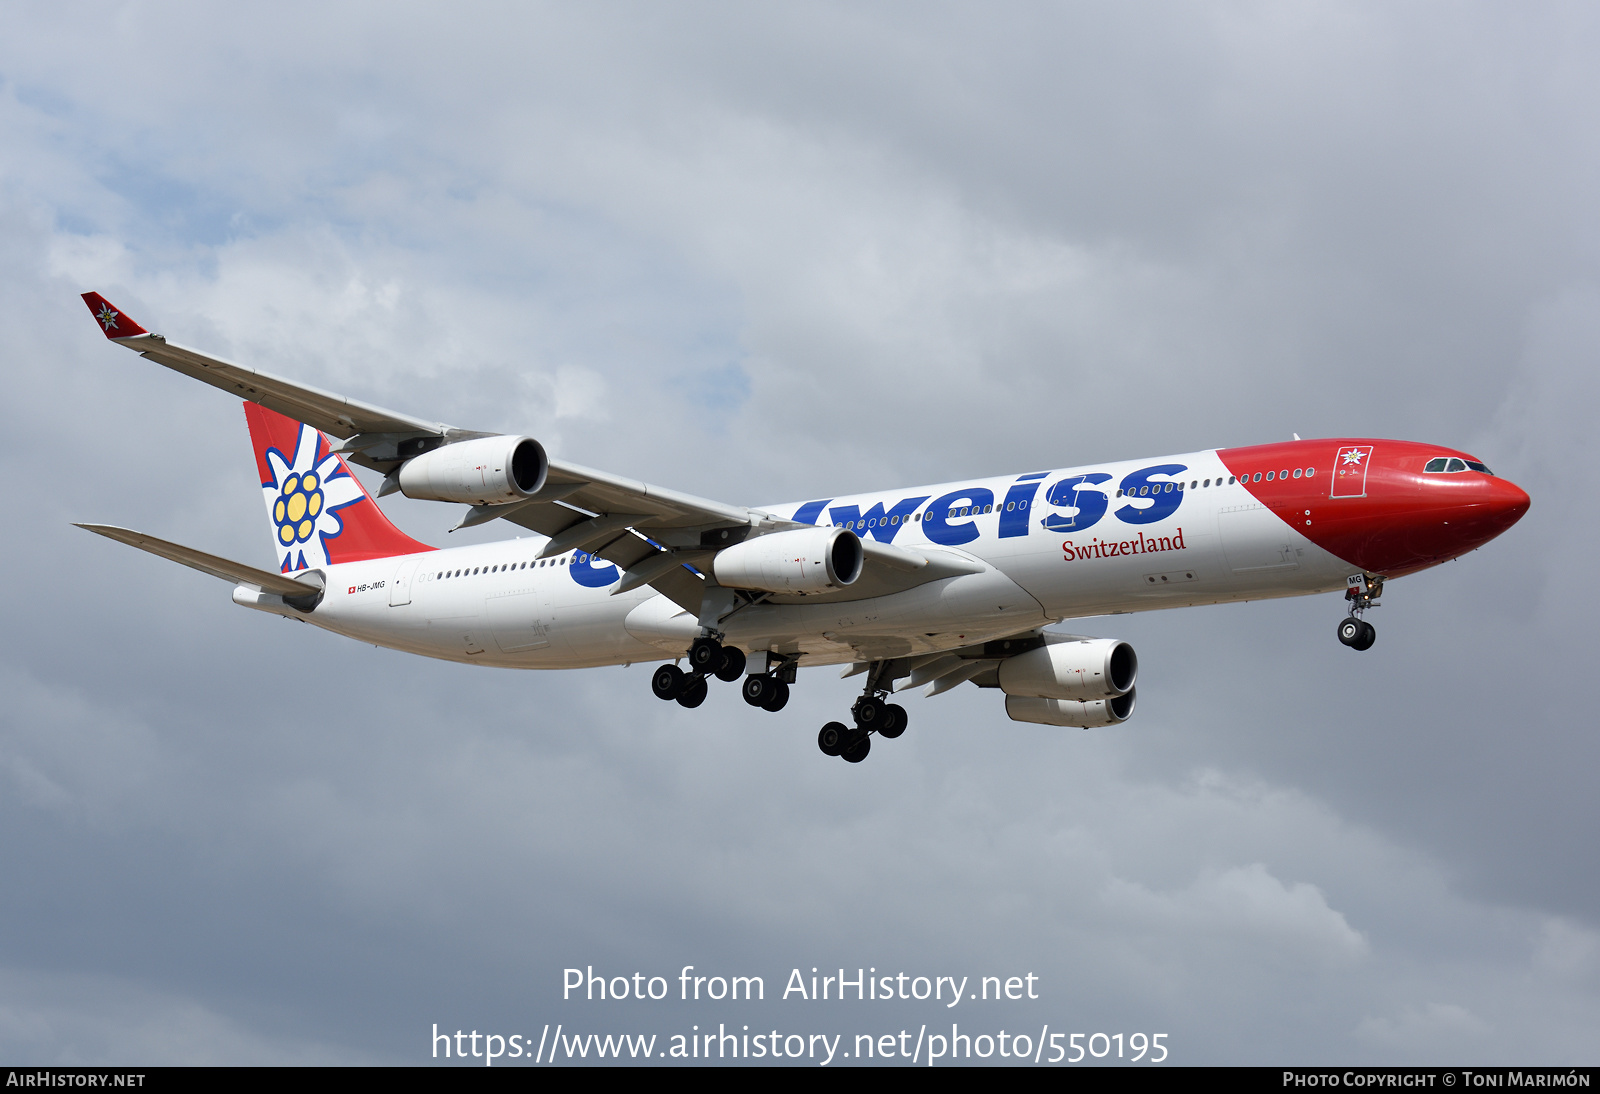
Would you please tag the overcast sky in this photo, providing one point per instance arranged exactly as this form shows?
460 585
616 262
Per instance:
765 252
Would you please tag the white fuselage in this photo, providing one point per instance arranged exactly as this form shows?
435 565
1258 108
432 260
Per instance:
498 604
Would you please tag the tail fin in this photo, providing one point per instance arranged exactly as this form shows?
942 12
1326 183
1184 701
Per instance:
318 511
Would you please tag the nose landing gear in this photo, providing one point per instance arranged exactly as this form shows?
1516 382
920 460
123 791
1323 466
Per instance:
1358 634
1362 593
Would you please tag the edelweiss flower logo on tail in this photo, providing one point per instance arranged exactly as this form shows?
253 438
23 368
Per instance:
304 499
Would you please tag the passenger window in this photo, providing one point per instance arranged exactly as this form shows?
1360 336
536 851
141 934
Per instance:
1297 472
1257 478
1270 475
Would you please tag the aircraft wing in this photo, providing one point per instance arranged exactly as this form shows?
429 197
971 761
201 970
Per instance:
653 534
333 414
215 565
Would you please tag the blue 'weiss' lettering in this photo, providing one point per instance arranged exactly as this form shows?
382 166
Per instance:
876 522
948 519
591 571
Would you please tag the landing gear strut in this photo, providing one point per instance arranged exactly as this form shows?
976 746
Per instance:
1363 593
872 713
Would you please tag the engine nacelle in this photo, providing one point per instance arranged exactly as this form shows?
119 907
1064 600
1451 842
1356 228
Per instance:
1078 669
806 560
1067 712
487 471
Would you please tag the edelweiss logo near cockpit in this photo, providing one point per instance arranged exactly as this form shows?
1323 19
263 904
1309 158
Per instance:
304 497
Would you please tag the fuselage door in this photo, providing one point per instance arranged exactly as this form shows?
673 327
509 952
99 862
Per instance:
521 620
1350 471
400 587
1255 539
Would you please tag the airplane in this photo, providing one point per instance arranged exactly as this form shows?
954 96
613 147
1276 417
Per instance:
931 587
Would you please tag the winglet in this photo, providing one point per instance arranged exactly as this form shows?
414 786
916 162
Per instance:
116 324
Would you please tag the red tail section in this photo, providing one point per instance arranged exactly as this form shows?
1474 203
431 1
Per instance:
320 513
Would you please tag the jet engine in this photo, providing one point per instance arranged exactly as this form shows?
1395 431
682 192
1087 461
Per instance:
486 471
1067 712
1075 669
806 560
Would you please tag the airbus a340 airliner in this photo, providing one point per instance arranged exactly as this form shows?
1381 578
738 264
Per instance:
927 587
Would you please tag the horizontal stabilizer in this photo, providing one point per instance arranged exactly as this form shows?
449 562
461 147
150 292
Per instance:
228 570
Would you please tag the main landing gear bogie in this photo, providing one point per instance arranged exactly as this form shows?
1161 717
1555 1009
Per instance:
872 714
707 657
765 691
849 744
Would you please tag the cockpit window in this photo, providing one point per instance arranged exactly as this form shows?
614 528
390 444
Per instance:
1451 464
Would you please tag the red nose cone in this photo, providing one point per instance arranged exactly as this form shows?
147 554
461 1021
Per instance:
1481 507
1507 503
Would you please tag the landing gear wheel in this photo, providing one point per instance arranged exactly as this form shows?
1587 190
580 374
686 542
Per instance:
857 750
895 719
732 666
870 712
1368 635
1350 630
694 692
705 654
668 682
780 696
831 737
759 690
